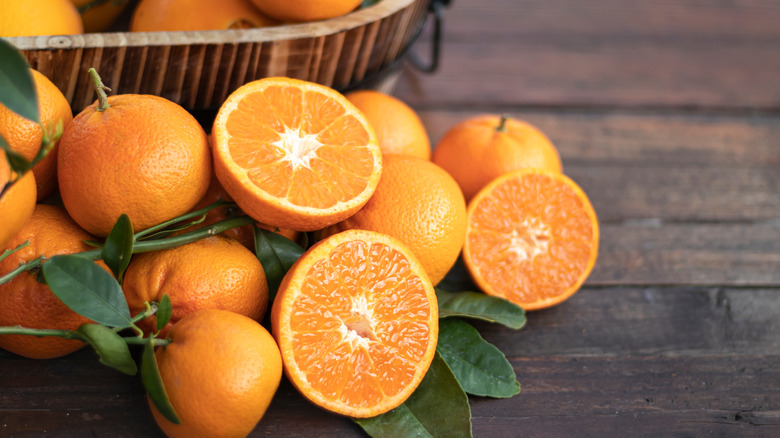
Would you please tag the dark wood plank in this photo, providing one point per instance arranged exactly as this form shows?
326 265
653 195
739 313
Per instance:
663 20
639 137
654 254
567 53
638 396
623 322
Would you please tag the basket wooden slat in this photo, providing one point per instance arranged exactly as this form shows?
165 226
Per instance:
199 69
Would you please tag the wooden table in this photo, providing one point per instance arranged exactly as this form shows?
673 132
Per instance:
667 113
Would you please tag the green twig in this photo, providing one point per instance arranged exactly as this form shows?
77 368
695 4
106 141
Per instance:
32 264
193 214
100 89
148 245
19 330
8 252
137 340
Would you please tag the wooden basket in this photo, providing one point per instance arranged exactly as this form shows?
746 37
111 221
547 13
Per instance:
199 69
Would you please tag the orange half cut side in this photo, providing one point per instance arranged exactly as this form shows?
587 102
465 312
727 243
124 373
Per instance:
532 237
295 154
356 320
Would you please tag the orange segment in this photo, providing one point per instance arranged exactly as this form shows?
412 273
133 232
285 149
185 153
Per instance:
295 154
356 320
532 238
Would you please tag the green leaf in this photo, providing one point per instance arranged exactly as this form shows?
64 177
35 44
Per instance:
111 348
480 367
164 312
87 289
17 161
367 3
277 254
153 384
118 248
438 408
17 84
477 305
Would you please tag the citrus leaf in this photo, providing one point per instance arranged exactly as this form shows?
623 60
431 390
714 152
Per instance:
480 367
153 384
277 254
87 289
119 247
18 163
111 348
17 84
477 305
164 312
438 408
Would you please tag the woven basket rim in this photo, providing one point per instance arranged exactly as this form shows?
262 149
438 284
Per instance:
359 18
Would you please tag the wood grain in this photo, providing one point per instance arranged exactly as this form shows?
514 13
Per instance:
650 53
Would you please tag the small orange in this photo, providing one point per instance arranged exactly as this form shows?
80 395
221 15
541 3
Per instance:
398 128
482 148
17 200
38 17
99 15
221 371
25 301
418 203
356 320
144 156
295 154
25 136
305 10
212 273
532 238
179 15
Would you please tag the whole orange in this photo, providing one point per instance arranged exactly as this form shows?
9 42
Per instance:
482 148
212 273
144 156
17 200
221 371
174 15
25 301
418 203
398 127
305 10
25 136
38 17
99 15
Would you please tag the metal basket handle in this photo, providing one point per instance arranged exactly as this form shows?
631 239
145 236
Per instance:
436 8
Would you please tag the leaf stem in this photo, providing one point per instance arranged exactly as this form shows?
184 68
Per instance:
148 245
502 124
32 264
19 330
141 234
100 89
8 252
137 340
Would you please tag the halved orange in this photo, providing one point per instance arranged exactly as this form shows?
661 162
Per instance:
295 154
532 237
356 320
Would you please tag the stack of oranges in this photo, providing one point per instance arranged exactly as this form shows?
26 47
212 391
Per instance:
353 173
66 17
